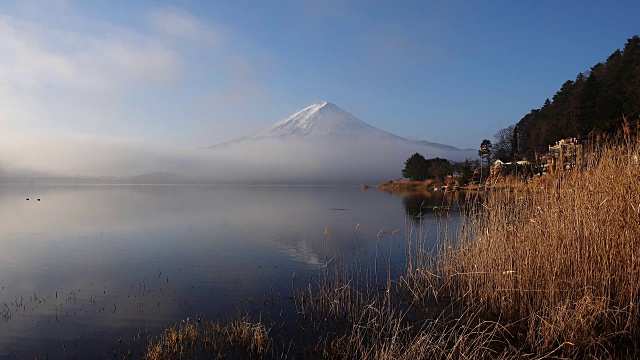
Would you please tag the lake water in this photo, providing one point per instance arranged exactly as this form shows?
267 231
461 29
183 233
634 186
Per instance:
86 269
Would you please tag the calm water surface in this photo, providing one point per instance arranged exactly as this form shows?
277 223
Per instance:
87 268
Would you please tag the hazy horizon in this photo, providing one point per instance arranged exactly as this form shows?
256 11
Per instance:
269 161
92 89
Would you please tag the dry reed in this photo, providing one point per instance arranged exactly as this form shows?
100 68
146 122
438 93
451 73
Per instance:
238 338
558 258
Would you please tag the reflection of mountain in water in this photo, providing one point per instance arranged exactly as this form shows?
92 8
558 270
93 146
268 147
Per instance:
420 204
302 251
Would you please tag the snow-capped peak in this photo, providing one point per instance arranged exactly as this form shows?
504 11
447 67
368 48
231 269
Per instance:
318 119
324 126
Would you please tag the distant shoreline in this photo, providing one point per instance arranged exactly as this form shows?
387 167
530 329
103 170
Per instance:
404 186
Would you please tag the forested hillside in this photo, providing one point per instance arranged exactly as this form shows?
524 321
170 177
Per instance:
596 100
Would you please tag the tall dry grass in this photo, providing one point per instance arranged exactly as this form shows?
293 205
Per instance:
558 259
358 314
237 338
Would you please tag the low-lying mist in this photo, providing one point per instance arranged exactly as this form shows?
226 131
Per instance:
273 161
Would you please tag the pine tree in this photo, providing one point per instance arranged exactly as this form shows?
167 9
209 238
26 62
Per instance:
415 168
484 153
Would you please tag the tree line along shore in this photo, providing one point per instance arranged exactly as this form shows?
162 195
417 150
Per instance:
578 116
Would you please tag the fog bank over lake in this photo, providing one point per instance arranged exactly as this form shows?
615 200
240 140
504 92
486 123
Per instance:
308 161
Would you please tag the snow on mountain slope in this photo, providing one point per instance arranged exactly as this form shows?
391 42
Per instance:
316 120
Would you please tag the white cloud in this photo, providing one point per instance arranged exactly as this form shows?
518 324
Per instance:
97 77
178 23
36 57
24 62
60 79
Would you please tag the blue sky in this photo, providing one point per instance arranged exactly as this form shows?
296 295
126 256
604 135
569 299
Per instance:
196 73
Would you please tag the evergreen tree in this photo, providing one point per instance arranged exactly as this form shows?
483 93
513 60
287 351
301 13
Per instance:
438 168
596 100
466 172
415 168
484 153
514 142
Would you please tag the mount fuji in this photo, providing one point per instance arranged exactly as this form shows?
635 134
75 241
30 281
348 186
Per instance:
327 120
323 143
320 119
